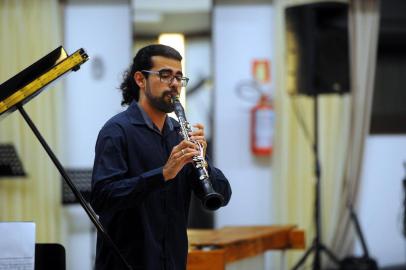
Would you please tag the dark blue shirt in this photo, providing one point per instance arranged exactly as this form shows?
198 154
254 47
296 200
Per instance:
145 216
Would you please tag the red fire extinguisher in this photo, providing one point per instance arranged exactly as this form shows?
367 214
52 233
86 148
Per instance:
262 127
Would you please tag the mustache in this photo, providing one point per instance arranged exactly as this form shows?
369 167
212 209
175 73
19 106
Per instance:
172 93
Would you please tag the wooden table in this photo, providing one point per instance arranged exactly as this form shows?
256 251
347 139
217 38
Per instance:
213 249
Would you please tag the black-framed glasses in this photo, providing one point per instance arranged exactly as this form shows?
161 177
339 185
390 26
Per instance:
166 76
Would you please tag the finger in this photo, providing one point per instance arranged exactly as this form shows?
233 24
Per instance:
196 133
184 159
185 152
177 155
200 141
197 138
183 144
198 129
190 151
203 143
199 126
189 144
188 157
175 149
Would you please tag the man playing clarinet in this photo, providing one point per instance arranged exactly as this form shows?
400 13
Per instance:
143 171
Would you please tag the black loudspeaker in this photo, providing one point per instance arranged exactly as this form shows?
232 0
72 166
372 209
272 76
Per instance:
317 48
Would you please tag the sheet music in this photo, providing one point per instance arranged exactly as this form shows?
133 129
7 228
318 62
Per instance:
17 245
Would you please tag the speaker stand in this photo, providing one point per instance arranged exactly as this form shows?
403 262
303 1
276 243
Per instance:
317 247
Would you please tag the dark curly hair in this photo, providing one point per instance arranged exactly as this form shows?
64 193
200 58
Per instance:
143 61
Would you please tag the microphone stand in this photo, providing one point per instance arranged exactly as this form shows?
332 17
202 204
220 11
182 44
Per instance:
89 211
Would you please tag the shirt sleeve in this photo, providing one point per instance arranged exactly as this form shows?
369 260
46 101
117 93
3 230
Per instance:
218 180
112 187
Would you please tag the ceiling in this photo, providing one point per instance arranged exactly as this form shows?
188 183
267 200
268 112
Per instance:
152 17
191 17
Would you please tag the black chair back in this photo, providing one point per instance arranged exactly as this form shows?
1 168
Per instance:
50 257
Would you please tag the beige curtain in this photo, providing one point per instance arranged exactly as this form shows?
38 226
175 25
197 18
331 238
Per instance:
363 26
28 31
293 162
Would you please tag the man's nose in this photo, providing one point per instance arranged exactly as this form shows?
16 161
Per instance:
174 83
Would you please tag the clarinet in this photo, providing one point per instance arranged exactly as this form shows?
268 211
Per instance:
211 200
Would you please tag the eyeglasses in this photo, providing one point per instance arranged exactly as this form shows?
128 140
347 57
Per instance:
166 76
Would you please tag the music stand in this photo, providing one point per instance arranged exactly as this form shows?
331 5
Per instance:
27 84
82 178
10 164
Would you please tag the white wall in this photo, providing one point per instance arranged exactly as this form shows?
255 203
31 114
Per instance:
198 58
381 199
104 31
240 35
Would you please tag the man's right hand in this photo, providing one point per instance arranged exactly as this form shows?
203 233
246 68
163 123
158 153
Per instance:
181 154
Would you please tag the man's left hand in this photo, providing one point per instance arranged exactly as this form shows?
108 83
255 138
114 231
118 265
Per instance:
197 135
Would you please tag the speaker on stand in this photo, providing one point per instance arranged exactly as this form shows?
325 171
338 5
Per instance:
318 63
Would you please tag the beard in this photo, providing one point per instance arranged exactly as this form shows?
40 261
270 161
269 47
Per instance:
162 103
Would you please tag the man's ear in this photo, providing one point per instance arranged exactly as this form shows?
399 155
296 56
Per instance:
139 79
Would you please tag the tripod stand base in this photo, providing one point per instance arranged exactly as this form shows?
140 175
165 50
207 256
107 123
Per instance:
317 249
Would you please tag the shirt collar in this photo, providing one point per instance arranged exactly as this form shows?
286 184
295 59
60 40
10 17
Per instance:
138 116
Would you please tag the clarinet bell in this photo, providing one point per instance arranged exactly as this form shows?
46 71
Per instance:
211 199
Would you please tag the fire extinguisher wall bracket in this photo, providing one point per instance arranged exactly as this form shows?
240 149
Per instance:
262 124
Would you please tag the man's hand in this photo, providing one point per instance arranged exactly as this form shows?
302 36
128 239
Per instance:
181 154
198 136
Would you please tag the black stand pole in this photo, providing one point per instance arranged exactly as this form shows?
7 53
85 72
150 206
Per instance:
89 211
317 246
